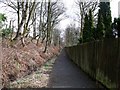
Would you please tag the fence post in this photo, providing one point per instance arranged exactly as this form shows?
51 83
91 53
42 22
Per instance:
118 75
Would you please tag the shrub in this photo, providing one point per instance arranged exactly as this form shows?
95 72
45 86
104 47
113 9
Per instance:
6 32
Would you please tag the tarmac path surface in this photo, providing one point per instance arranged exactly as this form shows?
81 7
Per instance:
66 74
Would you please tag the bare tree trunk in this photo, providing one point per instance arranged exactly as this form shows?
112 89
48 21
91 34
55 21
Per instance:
48 27
38 41
34 27
12 27
18 16
43 39
40 23
24 12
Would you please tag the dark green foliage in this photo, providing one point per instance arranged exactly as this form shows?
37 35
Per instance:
2 17
95 33
91 26
104 25
116 26
6 32
100 31
80 40
88 30
107 20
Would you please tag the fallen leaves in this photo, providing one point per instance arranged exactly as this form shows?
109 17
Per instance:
20 61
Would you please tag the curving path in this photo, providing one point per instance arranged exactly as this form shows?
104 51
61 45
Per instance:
65 74
56 73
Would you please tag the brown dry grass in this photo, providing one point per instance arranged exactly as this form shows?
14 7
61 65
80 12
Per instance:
19 61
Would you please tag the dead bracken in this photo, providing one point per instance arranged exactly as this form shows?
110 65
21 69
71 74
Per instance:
21 61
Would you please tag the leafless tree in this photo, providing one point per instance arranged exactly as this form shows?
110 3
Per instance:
84 7
54 11
25 11
71 35
42 16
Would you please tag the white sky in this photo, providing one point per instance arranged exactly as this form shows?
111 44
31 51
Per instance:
71 9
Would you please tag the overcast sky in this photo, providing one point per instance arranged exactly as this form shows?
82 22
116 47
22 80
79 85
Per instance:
71 9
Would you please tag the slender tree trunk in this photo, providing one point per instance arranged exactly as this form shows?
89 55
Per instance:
48 27
12 27
34 27
18 16
40 23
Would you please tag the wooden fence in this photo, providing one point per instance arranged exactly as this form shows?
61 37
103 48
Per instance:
100 59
